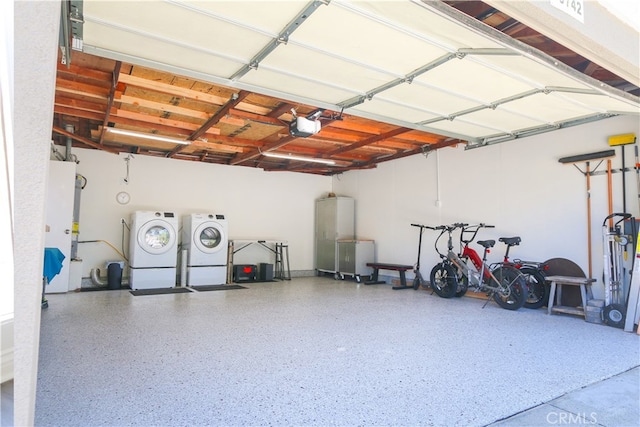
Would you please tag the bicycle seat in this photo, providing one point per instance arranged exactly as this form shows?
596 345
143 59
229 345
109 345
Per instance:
511 241
486 243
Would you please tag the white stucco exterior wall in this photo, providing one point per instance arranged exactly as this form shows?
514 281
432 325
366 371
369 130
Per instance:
36 38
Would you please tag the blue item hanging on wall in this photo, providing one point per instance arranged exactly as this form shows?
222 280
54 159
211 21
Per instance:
53 259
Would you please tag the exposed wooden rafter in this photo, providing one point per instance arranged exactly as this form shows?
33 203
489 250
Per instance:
224 125
116 73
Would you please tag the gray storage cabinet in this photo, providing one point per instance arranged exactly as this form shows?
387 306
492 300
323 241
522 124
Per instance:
353 256
335 219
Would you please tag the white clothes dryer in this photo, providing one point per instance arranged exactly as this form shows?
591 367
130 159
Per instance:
205 237
153 250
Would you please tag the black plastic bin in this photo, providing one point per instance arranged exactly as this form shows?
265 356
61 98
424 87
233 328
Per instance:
114 276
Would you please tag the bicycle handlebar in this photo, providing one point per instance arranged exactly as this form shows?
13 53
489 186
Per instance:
440 227
465 228
473 230
459 224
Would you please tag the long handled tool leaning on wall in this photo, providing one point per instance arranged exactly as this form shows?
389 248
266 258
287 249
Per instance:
621 141
587 158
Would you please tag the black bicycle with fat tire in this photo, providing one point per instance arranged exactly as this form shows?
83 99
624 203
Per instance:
533 272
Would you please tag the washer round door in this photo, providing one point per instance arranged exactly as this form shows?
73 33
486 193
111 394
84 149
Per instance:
156 237
209 237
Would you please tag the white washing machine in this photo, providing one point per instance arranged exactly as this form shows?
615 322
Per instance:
205 238
153 250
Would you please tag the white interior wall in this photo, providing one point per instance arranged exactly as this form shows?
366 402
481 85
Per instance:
257 204
519 186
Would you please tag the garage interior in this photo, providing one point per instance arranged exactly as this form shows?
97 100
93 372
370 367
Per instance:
381 121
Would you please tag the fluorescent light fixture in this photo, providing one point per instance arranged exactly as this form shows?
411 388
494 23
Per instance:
148 136
299 158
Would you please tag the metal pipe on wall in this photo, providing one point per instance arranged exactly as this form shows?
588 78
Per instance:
69 141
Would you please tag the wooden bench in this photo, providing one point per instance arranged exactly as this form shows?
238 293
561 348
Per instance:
556 297
377 266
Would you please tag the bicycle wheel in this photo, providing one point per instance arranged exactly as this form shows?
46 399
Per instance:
537 288
443 280
513 290
463 285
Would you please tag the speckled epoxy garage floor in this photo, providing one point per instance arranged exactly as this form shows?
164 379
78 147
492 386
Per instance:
310 351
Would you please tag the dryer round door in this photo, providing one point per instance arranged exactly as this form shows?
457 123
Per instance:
209 237
156 237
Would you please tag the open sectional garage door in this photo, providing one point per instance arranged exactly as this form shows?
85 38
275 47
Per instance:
417 64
